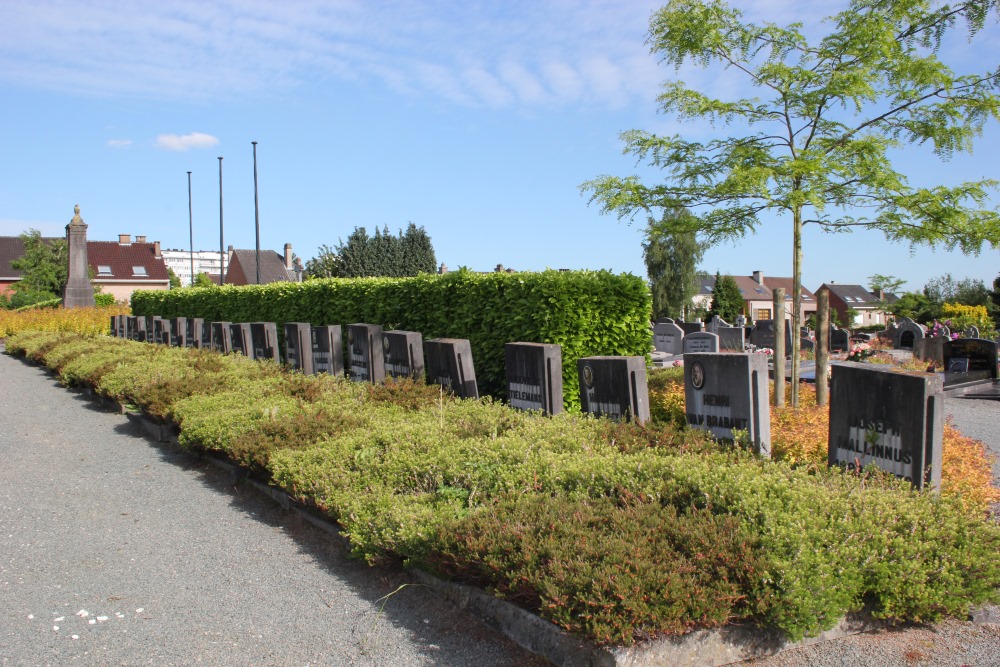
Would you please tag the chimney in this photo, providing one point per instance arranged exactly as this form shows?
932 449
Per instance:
156 250
140 239
758 277
880 294
288 256
124 239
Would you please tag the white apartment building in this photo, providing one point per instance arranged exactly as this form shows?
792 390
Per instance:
205 261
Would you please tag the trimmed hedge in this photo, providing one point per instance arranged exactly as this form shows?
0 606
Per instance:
587 313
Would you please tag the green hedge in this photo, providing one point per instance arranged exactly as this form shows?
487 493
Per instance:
587 313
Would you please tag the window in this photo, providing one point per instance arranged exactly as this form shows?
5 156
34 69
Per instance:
139 271
763 314
103 270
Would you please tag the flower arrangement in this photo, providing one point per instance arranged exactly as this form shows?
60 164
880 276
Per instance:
860 352
939 329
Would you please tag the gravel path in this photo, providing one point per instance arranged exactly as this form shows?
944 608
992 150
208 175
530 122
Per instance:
115 551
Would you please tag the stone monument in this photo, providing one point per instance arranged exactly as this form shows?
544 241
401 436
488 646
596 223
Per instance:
78 293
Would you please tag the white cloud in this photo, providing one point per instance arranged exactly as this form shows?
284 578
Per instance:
119 143
183 142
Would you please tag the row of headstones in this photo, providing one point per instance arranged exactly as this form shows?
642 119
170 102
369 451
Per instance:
675 338
609 386
905 333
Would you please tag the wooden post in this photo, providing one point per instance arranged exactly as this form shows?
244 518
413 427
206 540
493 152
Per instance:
822 346
778 318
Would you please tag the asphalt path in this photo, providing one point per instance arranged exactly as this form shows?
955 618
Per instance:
118 551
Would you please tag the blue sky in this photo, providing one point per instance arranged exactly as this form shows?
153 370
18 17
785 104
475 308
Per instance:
476 120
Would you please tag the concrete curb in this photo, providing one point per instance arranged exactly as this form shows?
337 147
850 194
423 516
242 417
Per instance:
701 648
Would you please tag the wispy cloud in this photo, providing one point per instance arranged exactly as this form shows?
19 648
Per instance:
119 143
183 142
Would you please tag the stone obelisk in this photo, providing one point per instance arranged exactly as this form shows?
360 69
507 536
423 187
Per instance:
79 293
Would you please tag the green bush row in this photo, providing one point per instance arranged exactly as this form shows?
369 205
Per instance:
587 313
616 532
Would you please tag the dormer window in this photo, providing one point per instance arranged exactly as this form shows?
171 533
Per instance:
103 270
139 271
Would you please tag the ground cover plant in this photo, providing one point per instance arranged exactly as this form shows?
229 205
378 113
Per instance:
87 321
615 532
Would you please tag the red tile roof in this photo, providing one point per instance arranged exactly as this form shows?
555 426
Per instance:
11 248
123 260
242 268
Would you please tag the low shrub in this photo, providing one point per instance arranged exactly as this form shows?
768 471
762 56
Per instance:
85 321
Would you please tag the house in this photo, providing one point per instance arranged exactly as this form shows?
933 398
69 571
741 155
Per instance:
122 267
273 267
758 299
868 308
12 248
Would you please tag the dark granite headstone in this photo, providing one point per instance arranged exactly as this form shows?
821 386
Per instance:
114 326
701 341
724 393
178 332
151 328
242 339
139 331
122 326
969 360
691 327
763 331
614 387
892 419
930 348
449 364
403 354
194 332
534 376
206 335
668 338
221 337
264 339
364 353
732 339
840 340
327 346
807 344
972 331
298 344
161 331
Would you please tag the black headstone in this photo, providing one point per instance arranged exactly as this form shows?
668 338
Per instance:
724 393
534 376
264 338
194 332
178 332
614 387
161 331
139 331
221 337
968 360
364 353
207 335
840 340
691 327
449 364
242 339
298 346
732 339
403 354
327 348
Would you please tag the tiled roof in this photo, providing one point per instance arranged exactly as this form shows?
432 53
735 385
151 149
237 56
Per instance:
751 290
11 248
853 295
242 268
775 283
136 262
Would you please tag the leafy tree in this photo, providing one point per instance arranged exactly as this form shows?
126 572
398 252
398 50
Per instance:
995 298
175 282
817 144
380 255
916 306
44 268
727 301
203 280
889 284
672 266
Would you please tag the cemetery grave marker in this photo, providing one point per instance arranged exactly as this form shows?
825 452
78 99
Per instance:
449 364
403 354
969 360
193 332
971 332
178 332
327 346
161 331
668 338
691 327
364 352
614 387
715 324
724 393
298 346
221 337
264 339
534 376
892 419
906 333
138 329
762 335
701 341
732 338
840 340
206 335
242 339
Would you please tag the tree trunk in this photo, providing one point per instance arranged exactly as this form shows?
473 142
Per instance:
796 301
779 346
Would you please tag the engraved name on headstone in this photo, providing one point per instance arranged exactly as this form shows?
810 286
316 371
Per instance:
668 338
403 354
614 387
534 376
701 341
364 353
327 347
449 364
724 393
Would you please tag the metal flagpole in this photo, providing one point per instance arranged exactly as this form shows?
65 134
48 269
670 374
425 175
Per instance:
256 208
222 246
191 227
